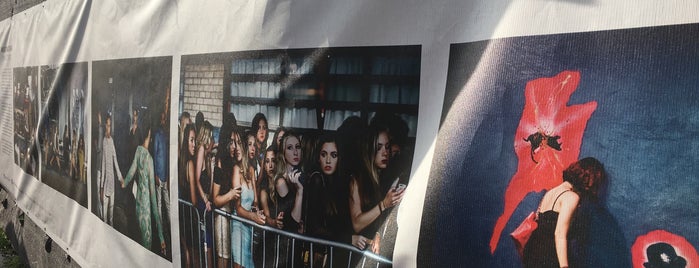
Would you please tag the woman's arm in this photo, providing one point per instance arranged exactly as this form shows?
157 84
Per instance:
219 200
264 203
360 220
255 201
192 183
132 170
568 204
296 211
197 175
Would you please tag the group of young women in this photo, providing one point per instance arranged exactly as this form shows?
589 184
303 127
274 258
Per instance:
336 185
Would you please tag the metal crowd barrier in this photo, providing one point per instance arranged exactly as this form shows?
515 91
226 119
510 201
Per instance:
331 246
192 217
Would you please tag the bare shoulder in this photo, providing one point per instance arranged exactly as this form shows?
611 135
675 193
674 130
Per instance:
569 198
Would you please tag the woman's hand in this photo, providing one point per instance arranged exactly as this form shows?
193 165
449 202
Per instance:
234 194
208 205
260 219
163 248
360 242
376 246
294 176
280 220
392 198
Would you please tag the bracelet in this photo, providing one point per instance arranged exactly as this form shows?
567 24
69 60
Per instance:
380 208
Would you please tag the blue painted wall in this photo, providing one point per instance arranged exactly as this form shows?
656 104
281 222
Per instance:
645 131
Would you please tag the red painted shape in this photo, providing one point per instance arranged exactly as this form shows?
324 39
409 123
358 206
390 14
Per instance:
682 247
545 111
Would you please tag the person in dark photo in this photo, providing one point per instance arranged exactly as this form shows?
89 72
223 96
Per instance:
133 141
550 245
161 167
66 150
74 155
82 171
109 168
54 159
663 255
146 204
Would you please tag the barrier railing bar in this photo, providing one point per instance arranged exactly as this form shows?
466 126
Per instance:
295 236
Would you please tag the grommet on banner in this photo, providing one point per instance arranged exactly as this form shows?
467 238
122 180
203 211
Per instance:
49 244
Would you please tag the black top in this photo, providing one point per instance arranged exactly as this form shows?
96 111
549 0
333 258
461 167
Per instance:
540 250
327 208
282 204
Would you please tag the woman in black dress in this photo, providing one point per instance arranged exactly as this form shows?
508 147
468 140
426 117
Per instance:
550 244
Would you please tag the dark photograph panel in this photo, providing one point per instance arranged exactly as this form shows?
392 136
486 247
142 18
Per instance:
63 128
592 136
25 88
130 112
295 158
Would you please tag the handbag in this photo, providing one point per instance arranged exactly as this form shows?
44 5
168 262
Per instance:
521 235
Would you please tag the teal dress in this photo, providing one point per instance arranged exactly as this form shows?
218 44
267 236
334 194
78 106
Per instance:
146 203
242 233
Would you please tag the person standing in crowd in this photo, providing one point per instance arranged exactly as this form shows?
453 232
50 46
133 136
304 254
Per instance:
289 189
366 203
133 138
267 188
396 174
251 149
269 203
53 148
160 164
223 192
97 155
188 193
204 181
553 241
242 233
184 121
259 127
277 137
327 213
74 156
82 172
146 204
109 167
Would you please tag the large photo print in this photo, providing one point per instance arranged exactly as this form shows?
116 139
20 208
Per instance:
295 158
25 94
592 134
130 142
62 132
